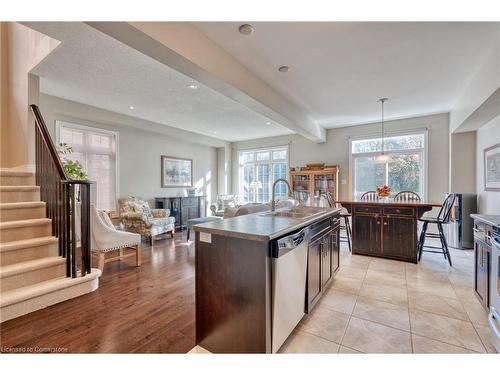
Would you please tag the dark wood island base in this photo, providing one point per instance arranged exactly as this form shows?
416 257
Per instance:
386 229
235 270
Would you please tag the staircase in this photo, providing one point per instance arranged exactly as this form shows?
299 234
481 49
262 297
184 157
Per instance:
32 273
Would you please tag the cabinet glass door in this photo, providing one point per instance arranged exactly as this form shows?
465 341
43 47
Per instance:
322 184
300 186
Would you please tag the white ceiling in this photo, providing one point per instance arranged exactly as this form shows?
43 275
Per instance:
94 69
339 70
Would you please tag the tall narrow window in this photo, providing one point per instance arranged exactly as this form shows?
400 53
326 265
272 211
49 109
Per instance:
258 171
405 170
95 150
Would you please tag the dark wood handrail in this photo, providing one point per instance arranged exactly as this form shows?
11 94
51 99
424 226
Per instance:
49 144
60 195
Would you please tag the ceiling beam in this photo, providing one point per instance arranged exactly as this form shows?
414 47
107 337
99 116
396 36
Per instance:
184 48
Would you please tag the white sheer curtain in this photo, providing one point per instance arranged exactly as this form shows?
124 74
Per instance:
96 152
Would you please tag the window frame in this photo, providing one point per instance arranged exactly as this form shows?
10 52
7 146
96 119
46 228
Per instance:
73 125
395 133
270 162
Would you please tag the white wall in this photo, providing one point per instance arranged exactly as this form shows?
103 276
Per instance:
336 150
22 49
139 150
463 162
487 136
481 86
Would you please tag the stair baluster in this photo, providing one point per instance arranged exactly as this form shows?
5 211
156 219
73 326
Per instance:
60 195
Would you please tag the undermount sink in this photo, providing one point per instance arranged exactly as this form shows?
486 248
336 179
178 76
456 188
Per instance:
295 212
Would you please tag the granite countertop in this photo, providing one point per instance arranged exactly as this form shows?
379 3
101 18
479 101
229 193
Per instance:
488 219
259 227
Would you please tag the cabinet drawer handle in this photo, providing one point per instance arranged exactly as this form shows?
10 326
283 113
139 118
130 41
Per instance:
477 230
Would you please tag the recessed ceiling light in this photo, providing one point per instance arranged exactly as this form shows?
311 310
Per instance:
246 29
284 68
131 107
193 86
268 122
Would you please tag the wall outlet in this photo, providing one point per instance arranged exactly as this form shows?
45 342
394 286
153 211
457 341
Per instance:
343 182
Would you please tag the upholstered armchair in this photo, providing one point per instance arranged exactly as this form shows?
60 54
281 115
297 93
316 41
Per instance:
223 202
106 239
137 217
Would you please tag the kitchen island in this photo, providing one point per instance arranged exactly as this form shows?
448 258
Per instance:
386 228
244 295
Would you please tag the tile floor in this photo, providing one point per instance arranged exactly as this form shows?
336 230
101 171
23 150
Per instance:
383 306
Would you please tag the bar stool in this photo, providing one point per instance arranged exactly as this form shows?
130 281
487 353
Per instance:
345 215
442 218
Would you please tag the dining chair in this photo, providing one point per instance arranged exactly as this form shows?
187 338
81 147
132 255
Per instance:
442 218
369 196
407 195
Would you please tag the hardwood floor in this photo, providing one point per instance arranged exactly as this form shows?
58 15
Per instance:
147 309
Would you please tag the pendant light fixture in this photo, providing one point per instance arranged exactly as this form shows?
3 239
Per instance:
382 158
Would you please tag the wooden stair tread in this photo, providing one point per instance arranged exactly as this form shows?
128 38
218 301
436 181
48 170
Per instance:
23 244
19 188
21 294
30 265
19 205
24 223
15 173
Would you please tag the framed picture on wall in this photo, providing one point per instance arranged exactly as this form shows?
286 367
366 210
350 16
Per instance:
492 168
176 172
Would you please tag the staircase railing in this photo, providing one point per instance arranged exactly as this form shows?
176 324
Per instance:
65 201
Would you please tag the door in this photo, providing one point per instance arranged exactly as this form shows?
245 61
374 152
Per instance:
399 237
175 211
366 234
335 248
314 281
481 272
323 183
301 187
326 260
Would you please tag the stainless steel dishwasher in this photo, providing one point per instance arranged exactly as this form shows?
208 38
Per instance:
289 276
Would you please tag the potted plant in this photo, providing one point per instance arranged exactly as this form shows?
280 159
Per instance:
73 169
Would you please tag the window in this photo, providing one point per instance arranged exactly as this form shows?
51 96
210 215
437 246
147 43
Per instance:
95 150
258 171
406 171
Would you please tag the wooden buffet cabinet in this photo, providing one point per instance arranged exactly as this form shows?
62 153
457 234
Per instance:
386 229
309 184
182 208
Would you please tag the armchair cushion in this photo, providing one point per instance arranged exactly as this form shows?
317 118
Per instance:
137 217
160 212
104 238
225 202
105 219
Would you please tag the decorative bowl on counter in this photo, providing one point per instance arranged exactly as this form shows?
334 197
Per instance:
383 191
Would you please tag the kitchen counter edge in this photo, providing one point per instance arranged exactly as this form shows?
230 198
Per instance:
295 225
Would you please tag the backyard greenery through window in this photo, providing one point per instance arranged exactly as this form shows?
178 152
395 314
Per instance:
258 169
406 170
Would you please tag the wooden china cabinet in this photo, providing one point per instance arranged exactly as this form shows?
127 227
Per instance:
310 182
